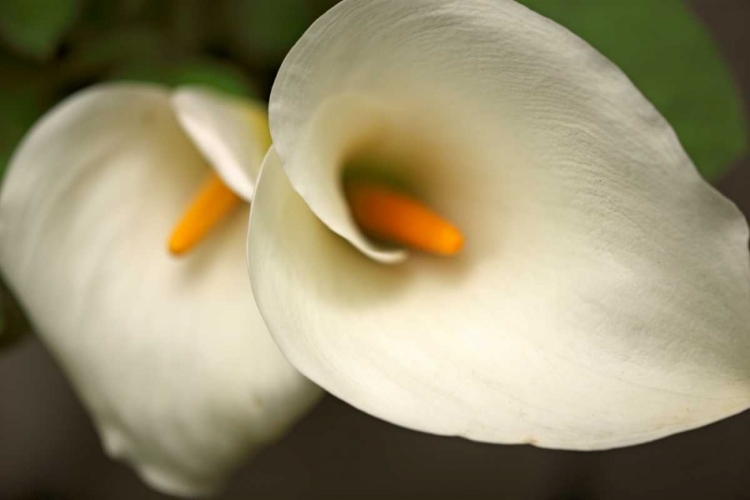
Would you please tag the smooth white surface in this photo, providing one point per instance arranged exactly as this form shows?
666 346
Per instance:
603 296
231 133
170 356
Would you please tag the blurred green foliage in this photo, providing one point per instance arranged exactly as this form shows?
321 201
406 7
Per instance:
264 30
35 27
51 48
219 75
24 96
13 323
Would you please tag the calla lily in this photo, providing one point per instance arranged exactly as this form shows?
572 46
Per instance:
170 356
602 296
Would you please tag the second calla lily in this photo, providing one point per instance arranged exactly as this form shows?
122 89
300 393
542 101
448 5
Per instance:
169 355
602 297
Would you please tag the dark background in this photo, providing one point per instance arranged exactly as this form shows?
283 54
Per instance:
48 448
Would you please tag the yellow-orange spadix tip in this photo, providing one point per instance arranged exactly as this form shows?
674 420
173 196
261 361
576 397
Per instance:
395 217
213 203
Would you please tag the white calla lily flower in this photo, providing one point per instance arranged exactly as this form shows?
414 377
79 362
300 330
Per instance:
170 356
602 298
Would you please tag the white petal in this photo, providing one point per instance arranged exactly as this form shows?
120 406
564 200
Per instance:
603 297
170 356
230 132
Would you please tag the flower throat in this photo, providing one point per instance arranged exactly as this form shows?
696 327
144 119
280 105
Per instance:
382 212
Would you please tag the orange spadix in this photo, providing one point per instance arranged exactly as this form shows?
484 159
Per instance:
380 211
397 218
212 204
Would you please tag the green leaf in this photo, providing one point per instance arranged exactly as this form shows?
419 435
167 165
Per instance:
219 75
671 58
93 54
35 27
265 30
143 71
24 96
19 110
13 322
215 74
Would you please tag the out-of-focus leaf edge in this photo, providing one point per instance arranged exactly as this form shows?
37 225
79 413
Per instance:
13 323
